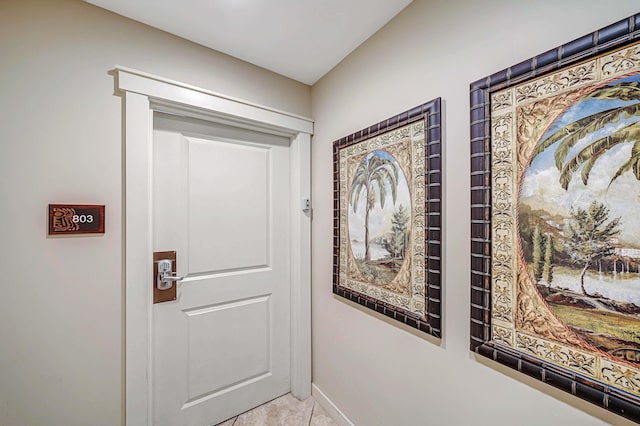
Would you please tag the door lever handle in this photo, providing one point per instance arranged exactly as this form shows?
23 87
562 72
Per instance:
165 277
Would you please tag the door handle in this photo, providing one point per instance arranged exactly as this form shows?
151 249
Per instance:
165 277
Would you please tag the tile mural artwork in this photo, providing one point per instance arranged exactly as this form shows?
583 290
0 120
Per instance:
379 248
387 207
566 225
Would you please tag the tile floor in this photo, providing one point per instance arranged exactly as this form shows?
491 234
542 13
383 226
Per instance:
284 411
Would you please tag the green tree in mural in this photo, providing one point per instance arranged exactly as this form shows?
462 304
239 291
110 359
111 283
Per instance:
547 268
588 236
400 235
537 254
376 170
572 133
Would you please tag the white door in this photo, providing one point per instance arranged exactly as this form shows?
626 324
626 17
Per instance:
221 201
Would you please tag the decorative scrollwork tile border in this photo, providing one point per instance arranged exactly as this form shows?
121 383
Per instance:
493 102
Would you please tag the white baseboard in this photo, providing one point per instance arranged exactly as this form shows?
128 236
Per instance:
329 407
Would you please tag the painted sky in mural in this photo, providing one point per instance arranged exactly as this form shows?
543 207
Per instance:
541 187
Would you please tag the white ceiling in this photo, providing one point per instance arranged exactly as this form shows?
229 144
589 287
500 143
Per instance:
301 39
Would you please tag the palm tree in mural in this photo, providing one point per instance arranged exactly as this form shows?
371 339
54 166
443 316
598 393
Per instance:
573 132
377 169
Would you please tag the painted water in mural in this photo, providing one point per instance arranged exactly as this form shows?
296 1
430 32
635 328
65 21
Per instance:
379 217
579 217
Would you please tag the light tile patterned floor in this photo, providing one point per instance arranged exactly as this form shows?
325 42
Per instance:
284 411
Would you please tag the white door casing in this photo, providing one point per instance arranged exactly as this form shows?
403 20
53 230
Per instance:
145 94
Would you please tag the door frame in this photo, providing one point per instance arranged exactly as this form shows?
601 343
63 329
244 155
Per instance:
143 94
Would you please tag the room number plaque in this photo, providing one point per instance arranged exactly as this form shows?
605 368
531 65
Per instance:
65 219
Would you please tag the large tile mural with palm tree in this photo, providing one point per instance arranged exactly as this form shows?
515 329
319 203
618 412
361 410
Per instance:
384 181
565 171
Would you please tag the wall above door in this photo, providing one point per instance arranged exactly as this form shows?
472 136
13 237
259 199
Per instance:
300 39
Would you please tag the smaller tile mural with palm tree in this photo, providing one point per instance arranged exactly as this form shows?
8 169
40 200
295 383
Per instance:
387 217
382 218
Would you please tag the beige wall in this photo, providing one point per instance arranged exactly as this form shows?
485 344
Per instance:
376 372
61 321
61 324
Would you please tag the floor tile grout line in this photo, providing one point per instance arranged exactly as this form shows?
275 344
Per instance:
298 407
313 409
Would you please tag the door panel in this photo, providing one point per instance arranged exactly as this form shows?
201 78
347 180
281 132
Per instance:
249 340
228 227
221 200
